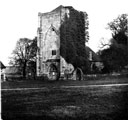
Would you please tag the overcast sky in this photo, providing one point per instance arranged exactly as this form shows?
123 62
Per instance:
19 19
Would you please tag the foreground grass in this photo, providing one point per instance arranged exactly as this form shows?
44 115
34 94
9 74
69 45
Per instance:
88 80
99 103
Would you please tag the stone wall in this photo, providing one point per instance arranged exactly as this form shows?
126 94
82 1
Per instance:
49 41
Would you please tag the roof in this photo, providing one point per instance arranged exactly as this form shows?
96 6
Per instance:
2 65
11 70
95 57
60 7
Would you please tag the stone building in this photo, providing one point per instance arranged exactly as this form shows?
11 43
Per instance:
49 60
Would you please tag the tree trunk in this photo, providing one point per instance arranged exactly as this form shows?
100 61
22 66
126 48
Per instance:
24 69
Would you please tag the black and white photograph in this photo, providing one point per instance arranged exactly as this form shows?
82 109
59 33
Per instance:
64 60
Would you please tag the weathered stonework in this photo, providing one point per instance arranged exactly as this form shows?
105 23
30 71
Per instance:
48 56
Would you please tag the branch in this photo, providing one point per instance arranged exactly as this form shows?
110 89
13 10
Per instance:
103 44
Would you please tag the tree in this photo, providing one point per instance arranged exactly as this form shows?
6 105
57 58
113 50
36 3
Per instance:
24 54
32 61
115 56
119 28
73 36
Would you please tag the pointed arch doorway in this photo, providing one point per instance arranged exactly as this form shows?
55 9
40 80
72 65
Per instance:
53 72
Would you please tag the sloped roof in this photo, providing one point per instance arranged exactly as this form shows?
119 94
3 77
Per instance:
60 7
95 57
2 65
11 70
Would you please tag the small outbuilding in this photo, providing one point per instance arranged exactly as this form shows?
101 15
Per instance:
96 64
2 74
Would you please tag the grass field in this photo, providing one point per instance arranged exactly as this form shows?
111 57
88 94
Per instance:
58 103
88 80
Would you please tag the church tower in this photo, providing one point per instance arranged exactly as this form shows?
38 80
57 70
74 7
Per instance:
49 61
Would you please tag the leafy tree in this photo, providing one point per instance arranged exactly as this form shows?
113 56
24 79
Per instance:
119 28
73 35
115 56
24 54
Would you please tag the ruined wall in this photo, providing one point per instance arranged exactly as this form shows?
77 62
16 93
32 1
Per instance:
49 40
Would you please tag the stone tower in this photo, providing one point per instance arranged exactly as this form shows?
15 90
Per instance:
49 61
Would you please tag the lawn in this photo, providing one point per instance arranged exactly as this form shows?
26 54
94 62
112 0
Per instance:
88 80
59 103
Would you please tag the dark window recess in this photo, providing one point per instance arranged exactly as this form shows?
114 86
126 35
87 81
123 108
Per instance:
53 52
53 29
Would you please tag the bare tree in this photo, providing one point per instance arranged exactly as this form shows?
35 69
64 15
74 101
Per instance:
104 43
24 53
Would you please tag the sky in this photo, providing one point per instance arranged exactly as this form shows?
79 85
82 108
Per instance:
19 19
